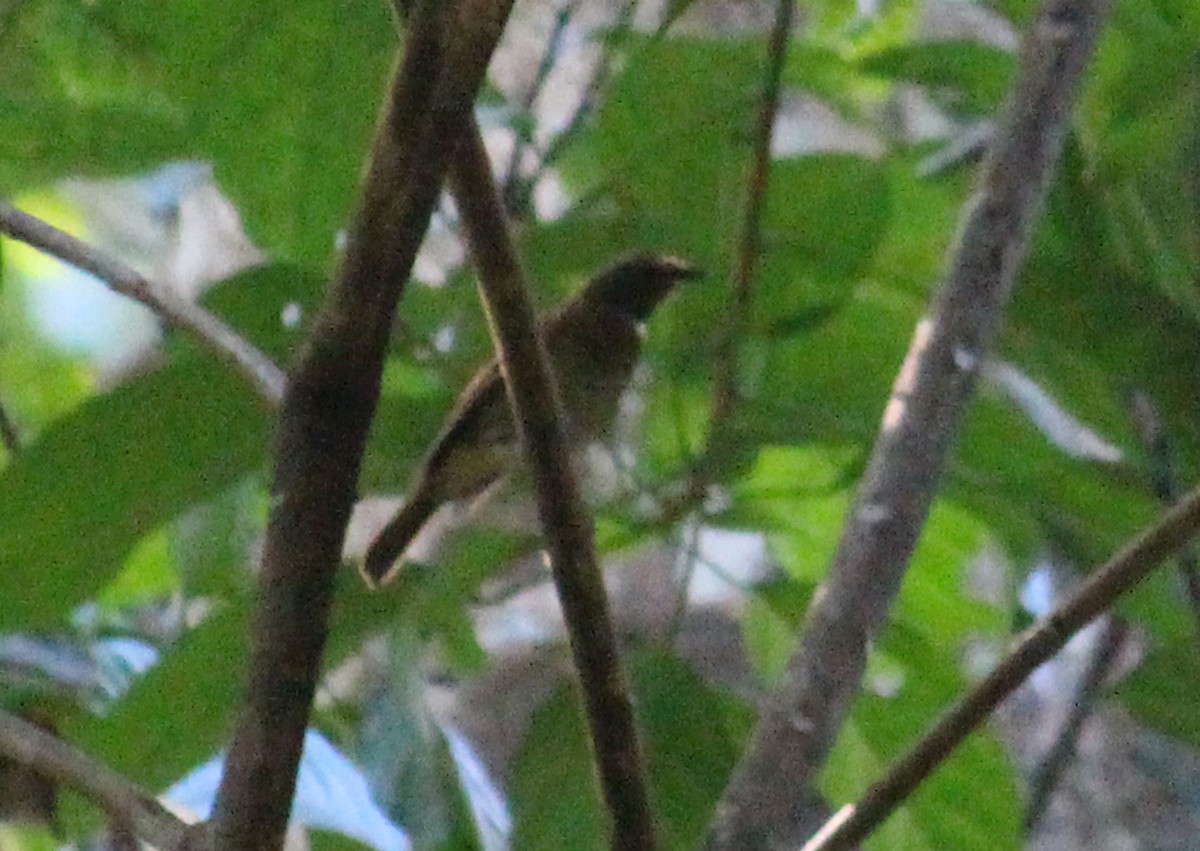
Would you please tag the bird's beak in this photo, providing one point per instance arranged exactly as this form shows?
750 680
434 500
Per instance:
681 269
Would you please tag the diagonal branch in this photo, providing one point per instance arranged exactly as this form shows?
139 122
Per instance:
516 193
1054 763
266 378
328 406
741 284
749 246
569 534
1164 477
801 720
126 804
1120 574
587 105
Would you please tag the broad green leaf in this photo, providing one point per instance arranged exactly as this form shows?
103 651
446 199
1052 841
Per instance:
820 70
692 738
76 501
934 599
213 545
119 87
176 715
1159 604
1162 692
977 73
405 757
123 464
770 634
553 791
672 139
270 305
826 214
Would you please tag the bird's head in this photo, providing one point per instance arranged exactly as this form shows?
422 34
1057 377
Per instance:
634 286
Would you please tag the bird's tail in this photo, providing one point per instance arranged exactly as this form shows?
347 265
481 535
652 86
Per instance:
382 560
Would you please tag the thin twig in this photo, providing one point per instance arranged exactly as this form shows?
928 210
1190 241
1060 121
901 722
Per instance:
741 278
1054 763
801 719
1164 475
516 193
568 528
28 744
689 554
749 245
1119 575
328 406
267 379
8 432
591 95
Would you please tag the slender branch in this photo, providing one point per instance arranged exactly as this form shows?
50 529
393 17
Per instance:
121 800
9 434
741 281
1054 762
328 406
801 720
749 246
587 103
1120 574
266 378
516 193
568 529
1165 478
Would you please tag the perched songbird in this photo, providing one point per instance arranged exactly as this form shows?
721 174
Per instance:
593 341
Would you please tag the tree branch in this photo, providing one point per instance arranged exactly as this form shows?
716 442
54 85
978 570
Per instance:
266 378
516 193
328 406
741 284
801 720
537 410
1120 574
584 110
121 800
749 245
1055 761
1164 476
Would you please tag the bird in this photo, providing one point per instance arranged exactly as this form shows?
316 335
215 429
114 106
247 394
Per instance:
593 341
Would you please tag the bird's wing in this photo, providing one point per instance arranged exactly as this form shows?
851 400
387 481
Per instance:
476 439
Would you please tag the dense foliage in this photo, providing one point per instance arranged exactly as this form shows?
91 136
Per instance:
120 500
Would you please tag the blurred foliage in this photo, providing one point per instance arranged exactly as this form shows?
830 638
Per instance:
156 488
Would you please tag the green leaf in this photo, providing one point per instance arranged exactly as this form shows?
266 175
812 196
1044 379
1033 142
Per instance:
770 635
176 715
693 736
935 599
806 488
977 72
672 139
1162 691
553 792
823 72
77 500
271 305
112 88
825 216
405 755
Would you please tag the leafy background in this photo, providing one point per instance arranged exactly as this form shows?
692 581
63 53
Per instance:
153 491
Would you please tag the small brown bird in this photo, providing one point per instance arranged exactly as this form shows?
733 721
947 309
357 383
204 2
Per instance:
593 341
